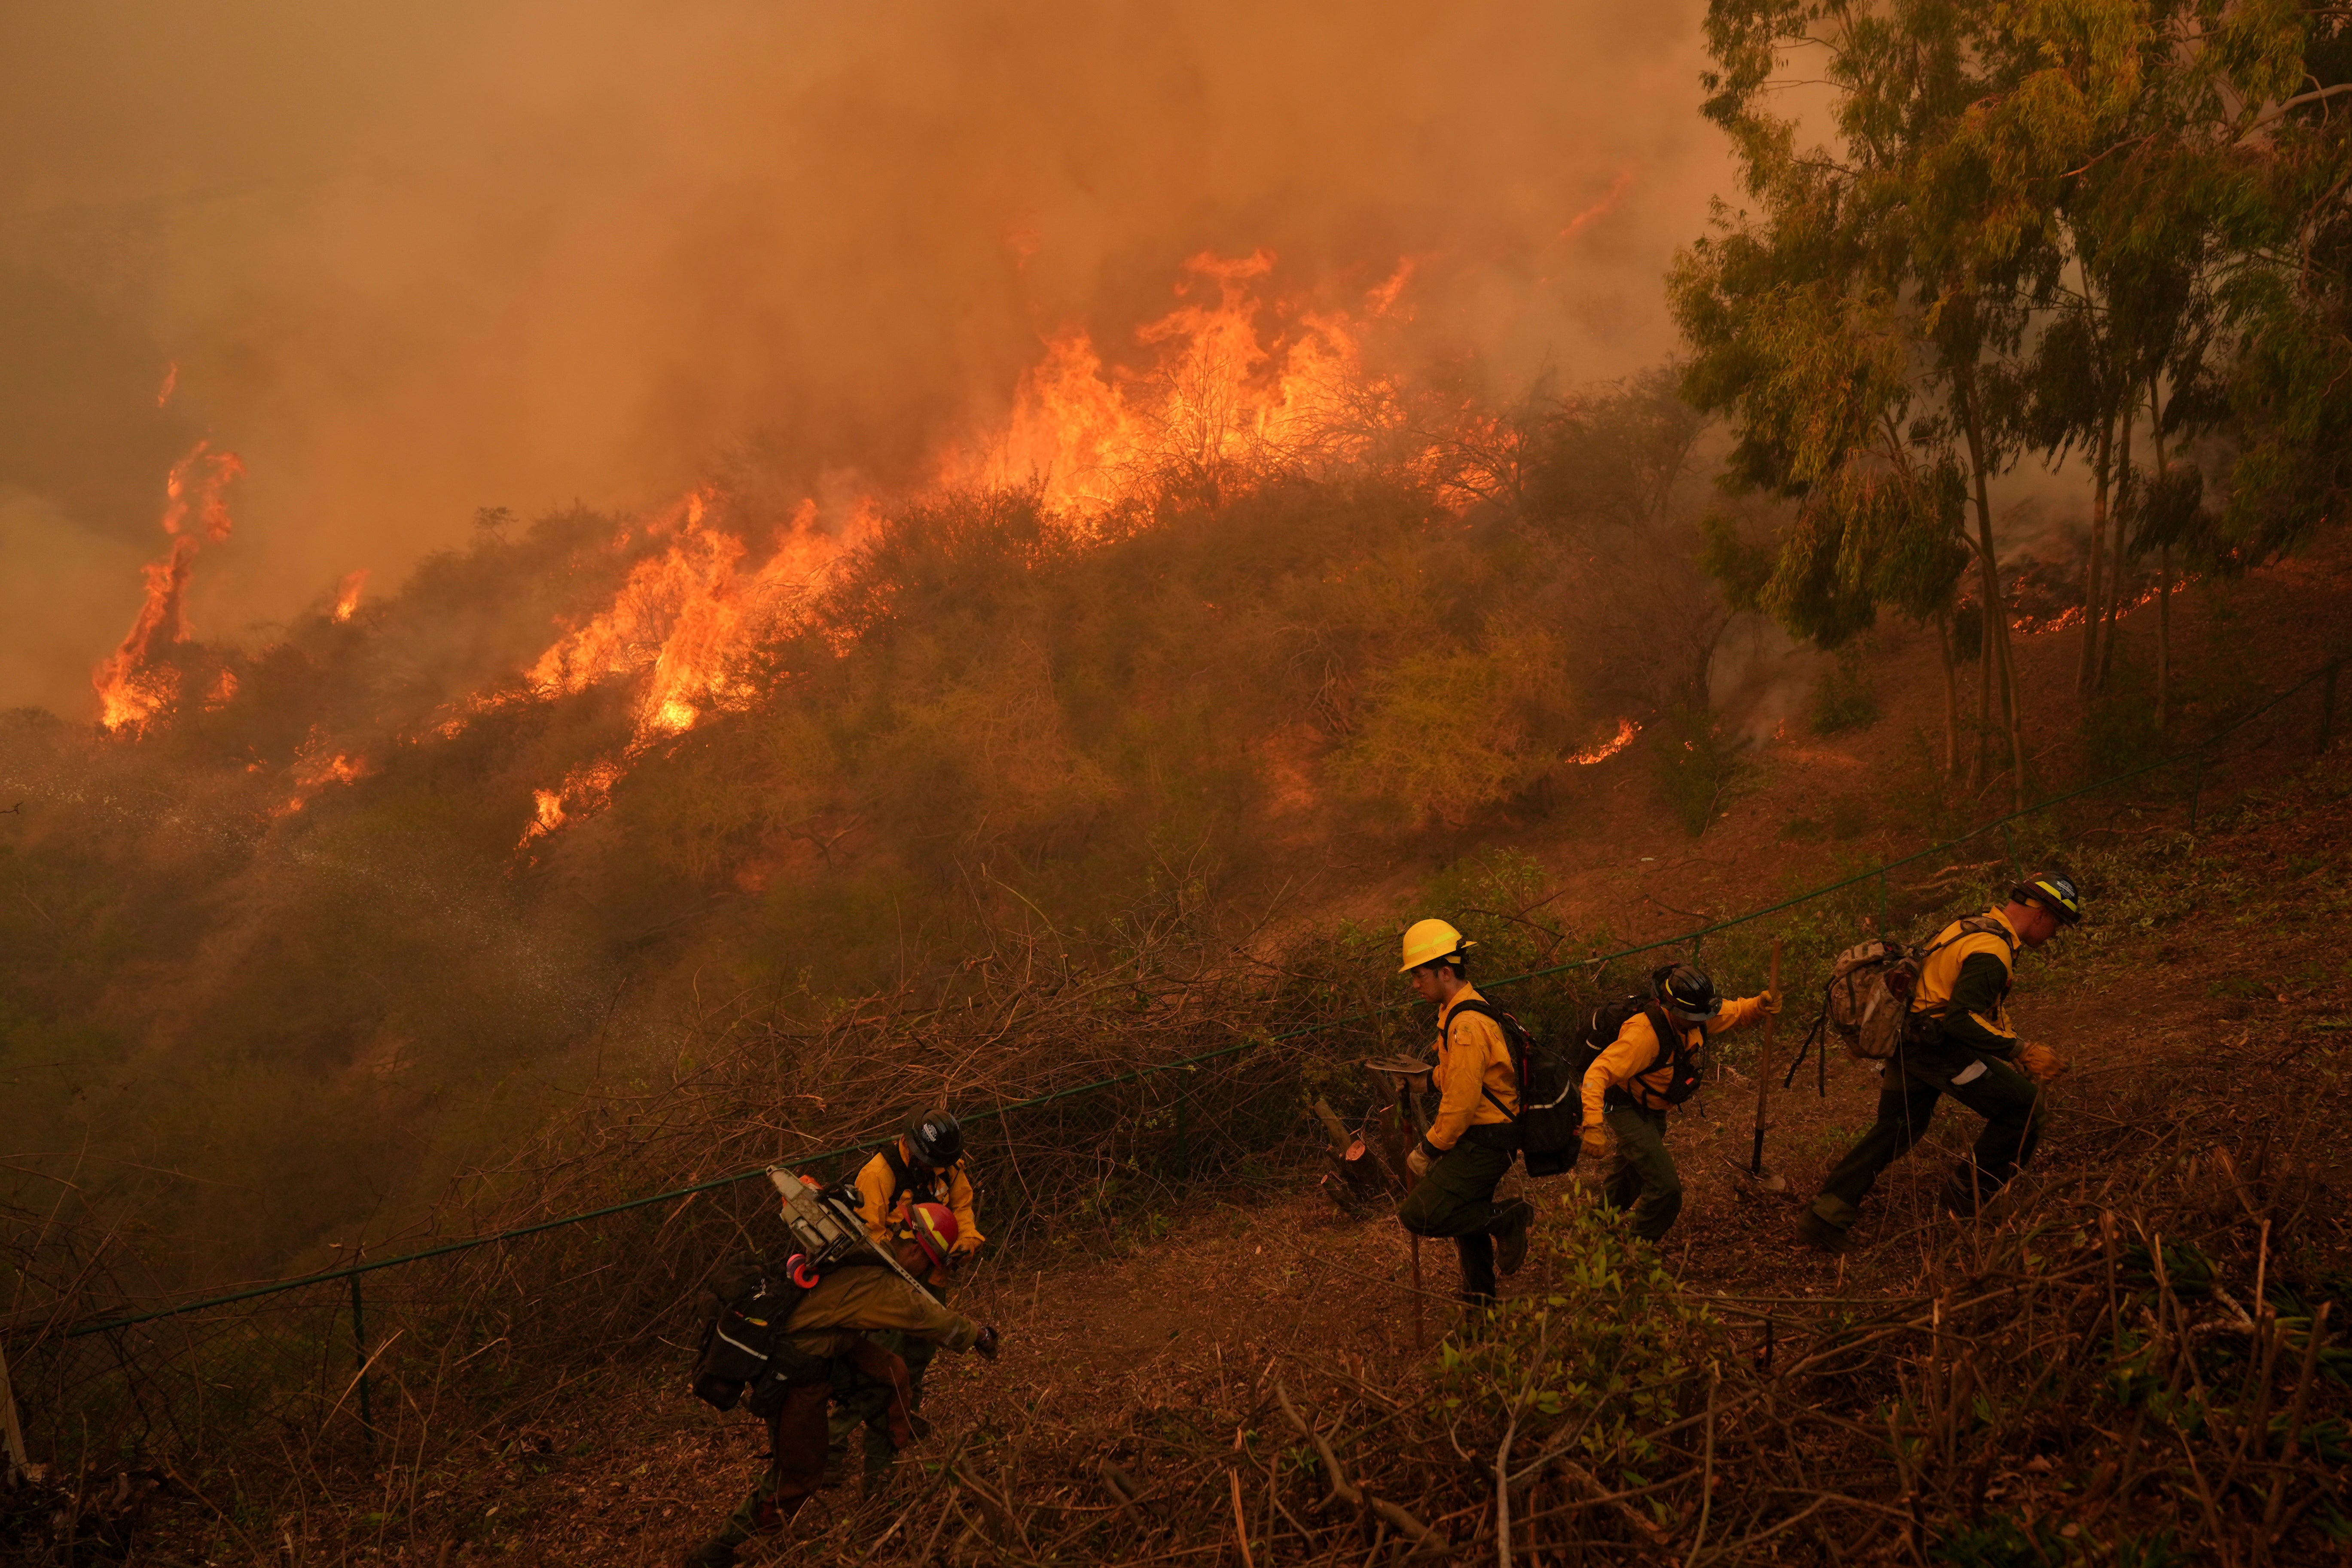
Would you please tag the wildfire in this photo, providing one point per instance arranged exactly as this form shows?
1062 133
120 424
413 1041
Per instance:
1626 730
171 383
347 595
2072 615
131 687
223 693
1218 401
314 771
588 789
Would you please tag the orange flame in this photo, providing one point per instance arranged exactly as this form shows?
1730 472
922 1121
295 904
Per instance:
131 687
1626 730
223 693
171 383
314 772
347 595
1219 401
684 622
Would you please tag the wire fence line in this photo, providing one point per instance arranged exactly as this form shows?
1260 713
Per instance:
321 1358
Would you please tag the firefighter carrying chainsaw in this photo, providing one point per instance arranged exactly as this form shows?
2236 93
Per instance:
1955 1039
1472 1141
790 1338
1648 1063
924 1165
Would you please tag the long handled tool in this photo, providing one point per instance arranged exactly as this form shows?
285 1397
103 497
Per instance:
1401 1071
1756 1170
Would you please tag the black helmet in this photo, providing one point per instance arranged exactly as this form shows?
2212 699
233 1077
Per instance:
935 1139
1685 991
2052 892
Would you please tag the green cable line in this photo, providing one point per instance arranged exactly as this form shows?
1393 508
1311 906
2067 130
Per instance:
1187 1063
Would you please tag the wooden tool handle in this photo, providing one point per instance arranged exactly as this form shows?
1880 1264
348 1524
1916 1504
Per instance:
1764 1055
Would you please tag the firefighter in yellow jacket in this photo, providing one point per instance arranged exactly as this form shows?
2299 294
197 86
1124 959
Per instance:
1966 1048
1471 1142
1642 1074
924 1164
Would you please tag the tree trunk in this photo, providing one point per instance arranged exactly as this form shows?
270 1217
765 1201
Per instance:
2163 573
1995 607
1951 693
2087 673
2121 560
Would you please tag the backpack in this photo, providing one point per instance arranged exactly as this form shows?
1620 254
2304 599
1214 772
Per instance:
1551 1118
1872 986
1606 1022
739 1339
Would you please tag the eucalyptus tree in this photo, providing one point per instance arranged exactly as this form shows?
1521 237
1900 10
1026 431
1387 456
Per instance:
1858 326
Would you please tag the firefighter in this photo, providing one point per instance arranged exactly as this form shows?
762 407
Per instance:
1637 1077
831 1346
924 1164
1471 1142
1971 1052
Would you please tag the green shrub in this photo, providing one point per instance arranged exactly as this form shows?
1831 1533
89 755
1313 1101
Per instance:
1696 765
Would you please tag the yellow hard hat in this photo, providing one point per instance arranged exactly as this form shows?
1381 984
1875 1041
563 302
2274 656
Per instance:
1427 941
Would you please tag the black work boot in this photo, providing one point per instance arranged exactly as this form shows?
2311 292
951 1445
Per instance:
1511 1241
1820 1234
1477 1253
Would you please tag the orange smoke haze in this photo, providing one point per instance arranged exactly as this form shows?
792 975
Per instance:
415 263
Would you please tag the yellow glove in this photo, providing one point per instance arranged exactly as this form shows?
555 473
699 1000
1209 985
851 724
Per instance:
1416 1164
1597 1142
2039 1062
1771 1000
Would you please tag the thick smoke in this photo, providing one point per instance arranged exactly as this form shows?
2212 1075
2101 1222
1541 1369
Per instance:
416 261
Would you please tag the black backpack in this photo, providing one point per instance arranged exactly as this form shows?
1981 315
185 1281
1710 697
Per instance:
739 1339
1606 1022
1549 1120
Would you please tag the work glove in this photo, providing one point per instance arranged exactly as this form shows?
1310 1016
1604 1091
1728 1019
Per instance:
2039 1062
1771 1000
987 1343
1417 1162
1596 1143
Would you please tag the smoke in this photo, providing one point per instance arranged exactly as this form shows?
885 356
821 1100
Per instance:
414 262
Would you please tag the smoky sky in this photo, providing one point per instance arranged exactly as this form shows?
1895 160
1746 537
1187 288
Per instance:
414 260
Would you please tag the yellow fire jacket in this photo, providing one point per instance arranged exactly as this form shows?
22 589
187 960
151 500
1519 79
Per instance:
1472 1057
1630 1061
886 1214
1966 982
851 1302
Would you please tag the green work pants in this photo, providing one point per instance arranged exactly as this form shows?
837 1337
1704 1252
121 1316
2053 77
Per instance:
1642 1176
2010 1103
1456 1197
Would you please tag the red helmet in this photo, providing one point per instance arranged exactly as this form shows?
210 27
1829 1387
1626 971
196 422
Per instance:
934 1228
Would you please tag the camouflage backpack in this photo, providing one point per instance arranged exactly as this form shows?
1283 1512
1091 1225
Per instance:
1872 986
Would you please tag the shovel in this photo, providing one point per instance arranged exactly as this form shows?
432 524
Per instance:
1755 1170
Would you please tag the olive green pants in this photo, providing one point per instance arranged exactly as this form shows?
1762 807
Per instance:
1642 1176
1456 1197
2010 1103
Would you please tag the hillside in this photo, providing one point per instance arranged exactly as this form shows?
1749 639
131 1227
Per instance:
2201 1008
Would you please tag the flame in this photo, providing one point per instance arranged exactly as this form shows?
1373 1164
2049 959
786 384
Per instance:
1219 401
1626 730
2072 615
131 687
1602 208
587 790
347 594
684 622
314 771
171 383
223 693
